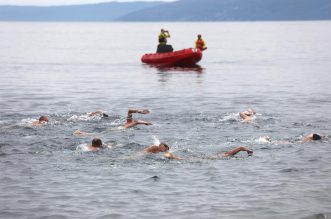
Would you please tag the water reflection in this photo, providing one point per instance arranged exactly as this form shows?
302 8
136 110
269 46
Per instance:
171 69
165 73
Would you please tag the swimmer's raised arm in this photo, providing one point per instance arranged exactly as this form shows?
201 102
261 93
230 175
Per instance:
131 123
130 111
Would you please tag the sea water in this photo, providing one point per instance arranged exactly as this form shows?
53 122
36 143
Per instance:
64 70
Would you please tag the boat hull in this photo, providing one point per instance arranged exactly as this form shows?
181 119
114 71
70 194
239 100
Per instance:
185 57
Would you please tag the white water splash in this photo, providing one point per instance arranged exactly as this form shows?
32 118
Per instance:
75 118
263 139
156 141
230 117
82 147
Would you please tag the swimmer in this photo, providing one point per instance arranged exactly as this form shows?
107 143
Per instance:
247 115
131 122
162 147
97 113
96 145
308 138
80 133
312 137
42 120
230 153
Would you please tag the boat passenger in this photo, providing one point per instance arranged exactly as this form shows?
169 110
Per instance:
162 46
163 37
130 122
200 43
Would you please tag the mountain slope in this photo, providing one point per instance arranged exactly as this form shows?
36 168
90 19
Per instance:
90 12
234 10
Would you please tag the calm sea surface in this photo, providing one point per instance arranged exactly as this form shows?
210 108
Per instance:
63 70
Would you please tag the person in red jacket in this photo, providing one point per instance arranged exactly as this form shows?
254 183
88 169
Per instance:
200 43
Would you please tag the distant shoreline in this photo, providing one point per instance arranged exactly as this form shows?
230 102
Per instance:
259 21
177 11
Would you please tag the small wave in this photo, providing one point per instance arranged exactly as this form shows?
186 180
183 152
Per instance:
290 170
116 122
155 178
263 140
82 147
27 122
233 117
76 118
319 216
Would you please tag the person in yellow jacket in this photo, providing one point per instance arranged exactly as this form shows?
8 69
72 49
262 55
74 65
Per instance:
162 47
163 36
200 43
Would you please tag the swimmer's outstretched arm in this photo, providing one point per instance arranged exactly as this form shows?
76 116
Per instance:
133 123
237 150
141 122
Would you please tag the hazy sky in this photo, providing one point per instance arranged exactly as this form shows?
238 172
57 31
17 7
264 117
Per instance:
61 2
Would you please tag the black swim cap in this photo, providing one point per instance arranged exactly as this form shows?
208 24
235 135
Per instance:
316 137
96 142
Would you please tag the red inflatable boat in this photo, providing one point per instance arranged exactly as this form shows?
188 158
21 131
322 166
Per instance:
184 58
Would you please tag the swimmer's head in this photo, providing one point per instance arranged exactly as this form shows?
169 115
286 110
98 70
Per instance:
96 142
43 119
199 36
105 115
163 147
316 137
